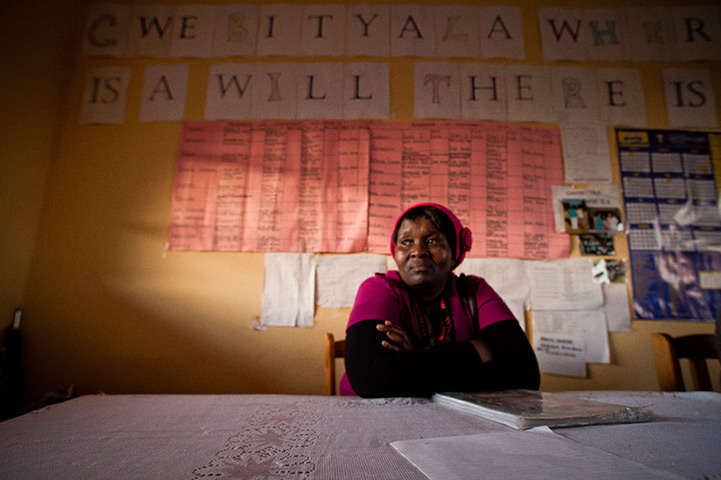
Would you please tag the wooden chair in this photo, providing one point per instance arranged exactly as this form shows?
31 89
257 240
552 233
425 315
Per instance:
332 350
668 350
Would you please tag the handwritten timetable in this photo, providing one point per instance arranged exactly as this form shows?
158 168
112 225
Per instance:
337 186
496 177
271 186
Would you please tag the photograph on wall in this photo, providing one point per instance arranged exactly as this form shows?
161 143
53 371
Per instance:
596 244
605 220
575 215
609 271
595 209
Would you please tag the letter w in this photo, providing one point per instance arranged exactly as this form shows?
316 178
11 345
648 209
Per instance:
146 26
233 81
565 26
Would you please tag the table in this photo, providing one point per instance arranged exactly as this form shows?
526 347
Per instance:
307 437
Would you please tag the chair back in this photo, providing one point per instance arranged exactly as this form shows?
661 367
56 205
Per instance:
667 352
332 350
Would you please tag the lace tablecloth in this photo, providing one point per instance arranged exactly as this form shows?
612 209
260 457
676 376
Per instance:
303 437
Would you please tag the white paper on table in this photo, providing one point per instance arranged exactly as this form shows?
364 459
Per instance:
588 324
564 284
598 196
518 455
339 276
585 153
618 312
506 276
560 354
288 290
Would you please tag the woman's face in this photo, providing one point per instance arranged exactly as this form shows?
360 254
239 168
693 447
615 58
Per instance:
423 255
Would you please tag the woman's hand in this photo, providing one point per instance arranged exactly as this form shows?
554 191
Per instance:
398 337
484 351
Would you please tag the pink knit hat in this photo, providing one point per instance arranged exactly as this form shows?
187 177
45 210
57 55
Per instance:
464 238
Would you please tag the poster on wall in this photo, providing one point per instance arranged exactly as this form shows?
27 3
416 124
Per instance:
673 222
337 186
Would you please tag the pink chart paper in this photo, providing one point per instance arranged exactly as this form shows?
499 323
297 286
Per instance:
271 187
496 177
337 186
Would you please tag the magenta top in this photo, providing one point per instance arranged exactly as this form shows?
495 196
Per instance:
384 297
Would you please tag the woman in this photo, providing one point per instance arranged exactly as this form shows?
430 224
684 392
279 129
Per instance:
410 332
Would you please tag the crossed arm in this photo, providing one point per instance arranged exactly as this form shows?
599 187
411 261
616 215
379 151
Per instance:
381 362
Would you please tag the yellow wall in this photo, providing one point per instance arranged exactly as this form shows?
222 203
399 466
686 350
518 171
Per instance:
84 218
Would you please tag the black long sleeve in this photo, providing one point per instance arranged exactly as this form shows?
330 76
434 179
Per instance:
375 371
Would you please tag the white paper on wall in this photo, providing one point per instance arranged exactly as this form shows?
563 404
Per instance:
575 95
106 30
436 90
586 158
279 31
236 30
590 325
618 311
529 94
193 31
151 30
501 30
105 95
412 30
564 284
561 37
367 30
483 92
164 91
560 354
323 30
288 290
339 276
320 90
366 93
620 97
456 28
690 100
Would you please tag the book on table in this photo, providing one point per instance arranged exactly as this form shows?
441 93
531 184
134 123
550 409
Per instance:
524 409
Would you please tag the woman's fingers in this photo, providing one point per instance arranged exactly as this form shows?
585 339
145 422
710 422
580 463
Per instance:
397 335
